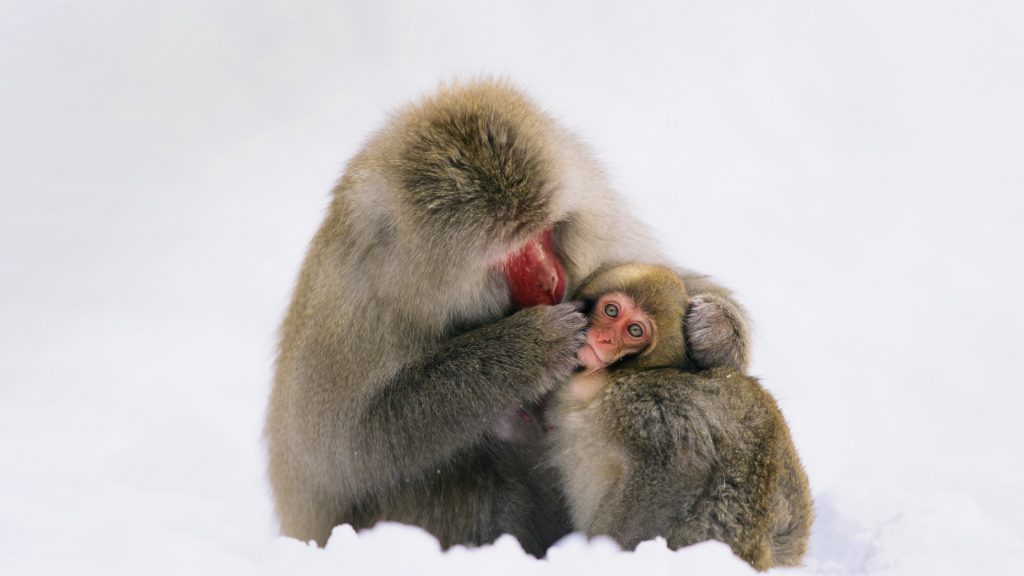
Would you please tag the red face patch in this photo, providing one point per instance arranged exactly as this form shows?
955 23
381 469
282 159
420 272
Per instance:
535 274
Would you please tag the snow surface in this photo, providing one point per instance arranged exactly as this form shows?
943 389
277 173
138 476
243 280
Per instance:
853 169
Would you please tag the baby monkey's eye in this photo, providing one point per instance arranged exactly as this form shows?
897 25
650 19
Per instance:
635 330
611 310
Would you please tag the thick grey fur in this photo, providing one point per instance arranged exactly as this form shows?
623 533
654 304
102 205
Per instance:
401 354
687 456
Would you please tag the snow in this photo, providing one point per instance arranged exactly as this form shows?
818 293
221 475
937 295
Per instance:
851 169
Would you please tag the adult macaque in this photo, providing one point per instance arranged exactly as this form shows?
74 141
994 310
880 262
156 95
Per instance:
415 330
645 448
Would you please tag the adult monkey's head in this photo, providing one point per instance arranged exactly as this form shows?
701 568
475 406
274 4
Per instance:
637 317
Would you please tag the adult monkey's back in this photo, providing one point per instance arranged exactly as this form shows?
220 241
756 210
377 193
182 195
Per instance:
414 329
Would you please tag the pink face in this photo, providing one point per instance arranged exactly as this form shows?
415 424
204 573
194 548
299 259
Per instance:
534 273
618 327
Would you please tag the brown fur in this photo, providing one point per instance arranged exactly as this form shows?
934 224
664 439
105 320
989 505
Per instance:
401 354
687 456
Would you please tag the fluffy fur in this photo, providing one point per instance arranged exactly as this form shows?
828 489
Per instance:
401 356
687 456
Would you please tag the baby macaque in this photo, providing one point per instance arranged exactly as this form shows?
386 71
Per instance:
647 446
626 303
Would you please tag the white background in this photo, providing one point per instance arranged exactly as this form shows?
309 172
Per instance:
854 170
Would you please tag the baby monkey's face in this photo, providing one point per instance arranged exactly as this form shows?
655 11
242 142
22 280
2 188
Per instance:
618 328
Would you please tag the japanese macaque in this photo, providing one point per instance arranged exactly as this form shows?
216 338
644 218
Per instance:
416 328
646 447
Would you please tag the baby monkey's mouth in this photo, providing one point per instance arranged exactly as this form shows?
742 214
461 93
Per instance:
589 359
